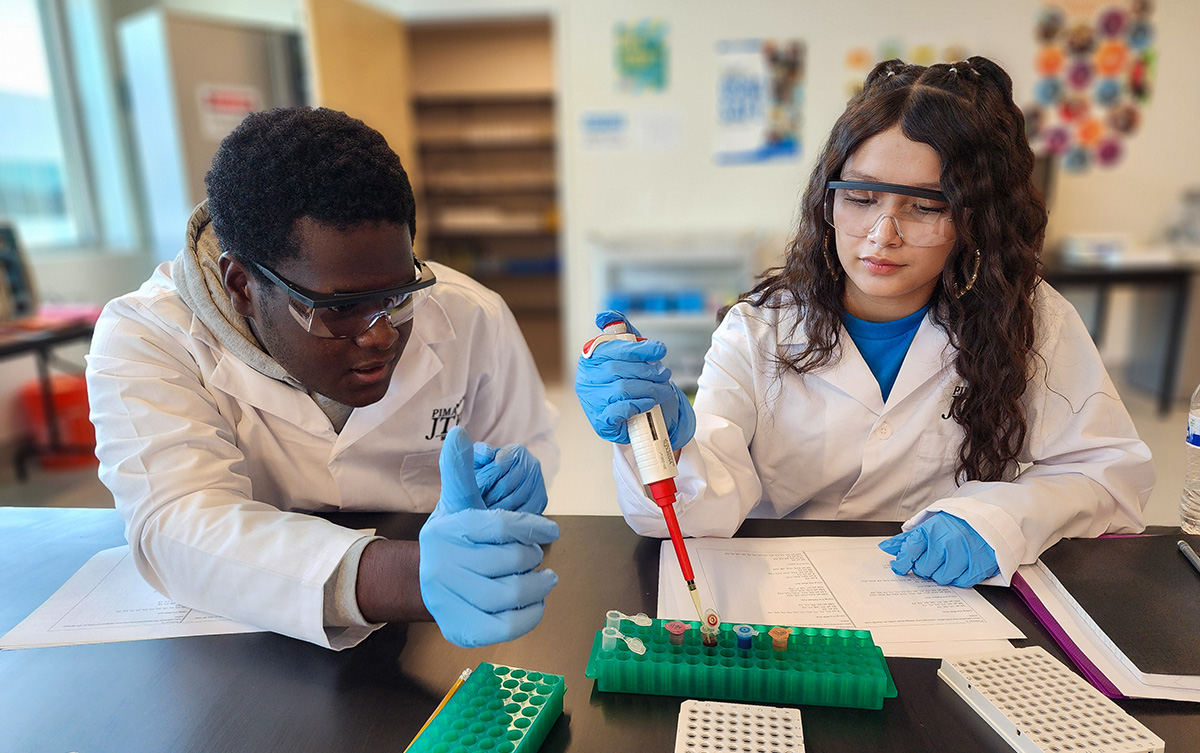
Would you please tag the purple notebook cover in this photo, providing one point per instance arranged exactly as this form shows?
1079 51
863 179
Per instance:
1089 670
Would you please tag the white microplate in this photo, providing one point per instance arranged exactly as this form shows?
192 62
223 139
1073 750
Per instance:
713 727
1038 705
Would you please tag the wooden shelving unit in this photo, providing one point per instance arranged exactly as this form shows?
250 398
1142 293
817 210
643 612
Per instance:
489 193
483 104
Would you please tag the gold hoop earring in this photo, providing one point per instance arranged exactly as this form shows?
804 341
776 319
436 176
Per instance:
833 267
957 292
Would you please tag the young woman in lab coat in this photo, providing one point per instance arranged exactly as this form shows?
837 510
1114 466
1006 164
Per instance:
906 362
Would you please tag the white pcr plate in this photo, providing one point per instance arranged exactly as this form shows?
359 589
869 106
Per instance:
1038 705
713 727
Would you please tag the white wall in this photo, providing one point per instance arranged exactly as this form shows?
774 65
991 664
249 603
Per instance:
685 190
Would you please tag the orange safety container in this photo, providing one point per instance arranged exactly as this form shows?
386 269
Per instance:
76 435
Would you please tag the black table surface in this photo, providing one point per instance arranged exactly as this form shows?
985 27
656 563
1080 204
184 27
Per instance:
264 692
16 340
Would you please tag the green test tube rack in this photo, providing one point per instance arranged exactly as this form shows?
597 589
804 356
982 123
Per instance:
499 710
820 667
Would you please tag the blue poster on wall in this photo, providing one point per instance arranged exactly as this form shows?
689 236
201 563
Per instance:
760 95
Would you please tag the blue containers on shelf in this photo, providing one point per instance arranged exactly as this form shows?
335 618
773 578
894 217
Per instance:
661 302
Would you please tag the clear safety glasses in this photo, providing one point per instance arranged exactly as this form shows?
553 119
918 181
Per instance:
344 315
921 217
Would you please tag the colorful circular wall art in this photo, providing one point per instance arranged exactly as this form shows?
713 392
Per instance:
1094 67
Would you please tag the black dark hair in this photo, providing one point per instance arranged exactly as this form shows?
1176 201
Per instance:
283 165
965 112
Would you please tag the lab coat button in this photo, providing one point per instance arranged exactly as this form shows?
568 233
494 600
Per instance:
883 431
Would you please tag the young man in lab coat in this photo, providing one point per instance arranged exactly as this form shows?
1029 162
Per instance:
296 357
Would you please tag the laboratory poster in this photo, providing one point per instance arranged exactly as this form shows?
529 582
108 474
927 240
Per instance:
1094 68
640 55
760 98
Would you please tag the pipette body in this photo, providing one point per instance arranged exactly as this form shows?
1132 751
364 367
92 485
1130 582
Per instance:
655 460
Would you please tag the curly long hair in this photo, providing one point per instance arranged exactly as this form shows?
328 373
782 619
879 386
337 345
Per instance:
282 165
965 112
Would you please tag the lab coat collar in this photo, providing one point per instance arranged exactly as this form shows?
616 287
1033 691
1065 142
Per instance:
928 356
847 373
247 385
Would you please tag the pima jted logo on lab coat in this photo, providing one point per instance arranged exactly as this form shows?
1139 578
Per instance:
958 390
441 421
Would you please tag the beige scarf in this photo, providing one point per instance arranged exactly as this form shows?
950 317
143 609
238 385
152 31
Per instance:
198 279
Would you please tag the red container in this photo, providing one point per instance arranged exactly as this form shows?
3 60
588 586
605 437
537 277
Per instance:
76 435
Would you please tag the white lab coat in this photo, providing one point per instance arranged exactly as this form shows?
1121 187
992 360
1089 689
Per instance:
203 454
826 446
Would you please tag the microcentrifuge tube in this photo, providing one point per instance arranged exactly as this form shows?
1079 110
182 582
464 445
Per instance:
613 617
676 630
744 635
710 628
779 637
608 638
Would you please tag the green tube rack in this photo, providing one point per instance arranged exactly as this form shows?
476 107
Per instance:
499 710
820 667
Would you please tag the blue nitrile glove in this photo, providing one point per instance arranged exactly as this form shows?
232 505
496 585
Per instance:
477 565
509 478
945 549
624 378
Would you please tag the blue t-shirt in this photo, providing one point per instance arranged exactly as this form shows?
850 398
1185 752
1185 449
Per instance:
884 344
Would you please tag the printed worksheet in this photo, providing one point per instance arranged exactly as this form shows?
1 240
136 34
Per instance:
107 601
834 582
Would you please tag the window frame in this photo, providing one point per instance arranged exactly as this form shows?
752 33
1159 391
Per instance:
101 222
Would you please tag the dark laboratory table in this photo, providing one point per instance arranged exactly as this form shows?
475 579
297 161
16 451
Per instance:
264 692
1175 278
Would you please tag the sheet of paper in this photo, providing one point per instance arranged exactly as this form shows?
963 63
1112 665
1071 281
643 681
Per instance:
107 601
1097 649
836 582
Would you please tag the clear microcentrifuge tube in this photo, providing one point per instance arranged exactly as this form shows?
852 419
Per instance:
608 638
744 635
779 637
710 628
676 630
612 619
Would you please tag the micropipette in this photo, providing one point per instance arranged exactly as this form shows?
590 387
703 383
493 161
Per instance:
655 461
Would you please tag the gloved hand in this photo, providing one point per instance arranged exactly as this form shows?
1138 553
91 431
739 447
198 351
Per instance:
510 478
624 378
945 549
477 565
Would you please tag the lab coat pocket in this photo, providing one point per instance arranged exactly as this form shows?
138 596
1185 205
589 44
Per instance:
932 476
421 480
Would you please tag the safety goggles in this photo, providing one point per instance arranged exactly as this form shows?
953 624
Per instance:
920 216
345 315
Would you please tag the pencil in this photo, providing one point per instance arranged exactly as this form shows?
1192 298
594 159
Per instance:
453 689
